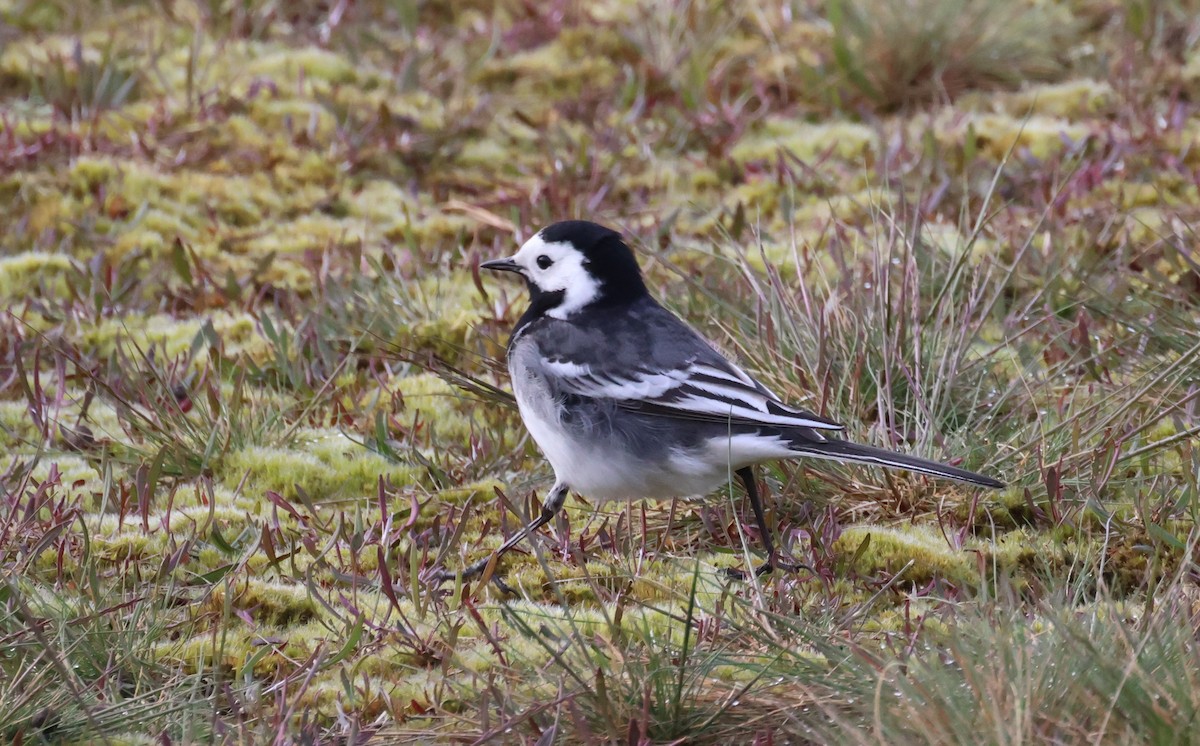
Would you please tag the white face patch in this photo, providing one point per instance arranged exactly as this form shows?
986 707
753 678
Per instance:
558 266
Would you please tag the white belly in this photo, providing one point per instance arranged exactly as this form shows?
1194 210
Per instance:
601 469
604 474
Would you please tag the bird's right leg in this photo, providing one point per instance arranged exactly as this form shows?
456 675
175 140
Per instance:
773 562
550 508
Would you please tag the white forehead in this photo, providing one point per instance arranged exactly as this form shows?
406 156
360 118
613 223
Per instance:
527 255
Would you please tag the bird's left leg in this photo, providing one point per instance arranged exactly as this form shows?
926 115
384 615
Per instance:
550 508
746 474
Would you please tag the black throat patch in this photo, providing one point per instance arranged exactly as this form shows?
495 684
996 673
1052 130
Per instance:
540 302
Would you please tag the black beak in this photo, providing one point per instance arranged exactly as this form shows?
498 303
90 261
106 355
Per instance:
501 265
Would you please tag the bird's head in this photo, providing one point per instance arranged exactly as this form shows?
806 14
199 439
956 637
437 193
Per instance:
573 265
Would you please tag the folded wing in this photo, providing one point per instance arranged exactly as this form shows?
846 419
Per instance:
711 390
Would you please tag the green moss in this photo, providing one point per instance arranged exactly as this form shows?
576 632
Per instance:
188 512
1162 429
357 468
1070 99
43 17
17 428
574 61
37 120
995 135
393 661
45 599
891 548
551 617
75 474
704 179
807 141
947 239
309 233
1016 554
287 115
324 463
239 332
279 470
436 228
168 206
289 66
854 208
273 603
31 274
669 580
156 231
236 200
130 543
384 205
88 173
62 64
175 335
424 108
241 335
437 402
244 133
1006 509
481 491
201 653
484 152
129 739
1015 549
478 657
1190 73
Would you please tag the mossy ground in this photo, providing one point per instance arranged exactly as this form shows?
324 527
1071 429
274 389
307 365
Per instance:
238 259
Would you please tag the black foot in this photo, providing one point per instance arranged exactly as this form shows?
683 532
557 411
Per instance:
471 571
503 587
552 505
747 476
735 574
474 571
767 568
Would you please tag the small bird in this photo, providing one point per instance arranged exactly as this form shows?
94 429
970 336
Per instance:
627 401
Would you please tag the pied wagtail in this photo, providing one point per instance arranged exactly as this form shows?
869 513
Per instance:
627 401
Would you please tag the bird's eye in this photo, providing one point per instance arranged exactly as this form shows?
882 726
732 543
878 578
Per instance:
544 262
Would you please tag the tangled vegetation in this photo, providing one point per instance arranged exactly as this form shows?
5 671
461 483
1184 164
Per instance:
251 398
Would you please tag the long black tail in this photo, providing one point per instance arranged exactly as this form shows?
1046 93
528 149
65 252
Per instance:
843 450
